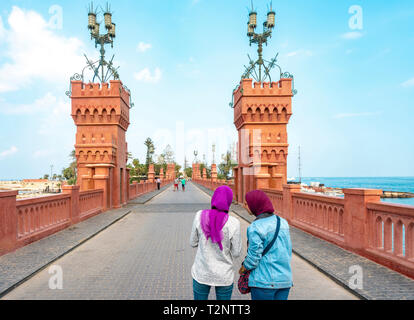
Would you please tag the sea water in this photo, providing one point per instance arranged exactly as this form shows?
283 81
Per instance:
400 184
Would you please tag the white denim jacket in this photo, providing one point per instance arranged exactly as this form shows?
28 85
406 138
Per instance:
212 266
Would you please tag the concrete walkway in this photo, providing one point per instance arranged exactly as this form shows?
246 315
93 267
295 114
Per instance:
146 255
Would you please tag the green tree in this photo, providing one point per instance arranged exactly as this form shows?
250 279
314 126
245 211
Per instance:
226 166
189 172
150 153
177 170
137 170
70 173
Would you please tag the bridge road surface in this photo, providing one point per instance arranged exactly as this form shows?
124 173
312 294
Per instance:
147 255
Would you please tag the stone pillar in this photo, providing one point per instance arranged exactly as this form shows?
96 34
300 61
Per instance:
127 183
262 177
162 173
151 173
261 114
205 173
101 116
288 190
214 172
8 218
356 224
74 202
101 179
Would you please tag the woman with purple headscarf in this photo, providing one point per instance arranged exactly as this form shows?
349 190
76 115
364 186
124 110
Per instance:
269 251
217 236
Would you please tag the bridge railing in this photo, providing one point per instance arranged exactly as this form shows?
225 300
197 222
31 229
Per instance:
391 233
42 216
90 203
27 220
359 222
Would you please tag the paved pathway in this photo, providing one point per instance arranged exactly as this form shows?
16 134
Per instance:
146 255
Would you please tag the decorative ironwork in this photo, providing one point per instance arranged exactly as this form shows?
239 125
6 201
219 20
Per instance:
260 70
101 69
102 40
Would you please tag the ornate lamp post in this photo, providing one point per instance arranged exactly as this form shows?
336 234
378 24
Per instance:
260 39
260 69
102 40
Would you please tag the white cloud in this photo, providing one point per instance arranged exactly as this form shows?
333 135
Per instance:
44 104
355 115
36 52
42 154
408 83
352 35
146 76
300 52
2 30
142 46
8 152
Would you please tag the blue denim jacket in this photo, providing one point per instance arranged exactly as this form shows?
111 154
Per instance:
273 271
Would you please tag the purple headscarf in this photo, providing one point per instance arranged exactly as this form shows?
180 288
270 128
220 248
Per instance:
259 202
213 221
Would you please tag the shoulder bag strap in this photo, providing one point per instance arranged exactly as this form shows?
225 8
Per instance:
270 245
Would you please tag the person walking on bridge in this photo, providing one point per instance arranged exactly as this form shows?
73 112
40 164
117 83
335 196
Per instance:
218 238
183 183
269 251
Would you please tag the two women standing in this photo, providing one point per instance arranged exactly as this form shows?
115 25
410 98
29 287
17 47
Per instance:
218 238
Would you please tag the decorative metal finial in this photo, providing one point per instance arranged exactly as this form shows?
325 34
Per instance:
262 65
102 70
102 40
260 69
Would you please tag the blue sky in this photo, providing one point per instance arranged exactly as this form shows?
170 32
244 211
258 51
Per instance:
353 113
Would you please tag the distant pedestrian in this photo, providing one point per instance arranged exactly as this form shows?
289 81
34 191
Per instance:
217 236
176 182
158 183
269 251
183 183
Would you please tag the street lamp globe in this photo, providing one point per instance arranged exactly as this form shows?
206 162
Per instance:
91 21
253 19
271 19
112 30
108 20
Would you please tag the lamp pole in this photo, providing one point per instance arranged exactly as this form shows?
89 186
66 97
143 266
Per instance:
102 40
260 39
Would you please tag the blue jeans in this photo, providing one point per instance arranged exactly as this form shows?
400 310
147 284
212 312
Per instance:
201 291
269 294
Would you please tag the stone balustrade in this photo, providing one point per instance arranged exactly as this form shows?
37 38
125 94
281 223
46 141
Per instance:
359 222
27 220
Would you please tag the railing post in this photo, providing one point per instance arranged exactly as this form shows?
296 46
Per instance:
288 190
8 221
74 192
356 219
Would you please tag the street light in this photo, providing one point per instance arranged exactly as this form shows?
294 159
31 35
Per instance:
260 39
102 40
